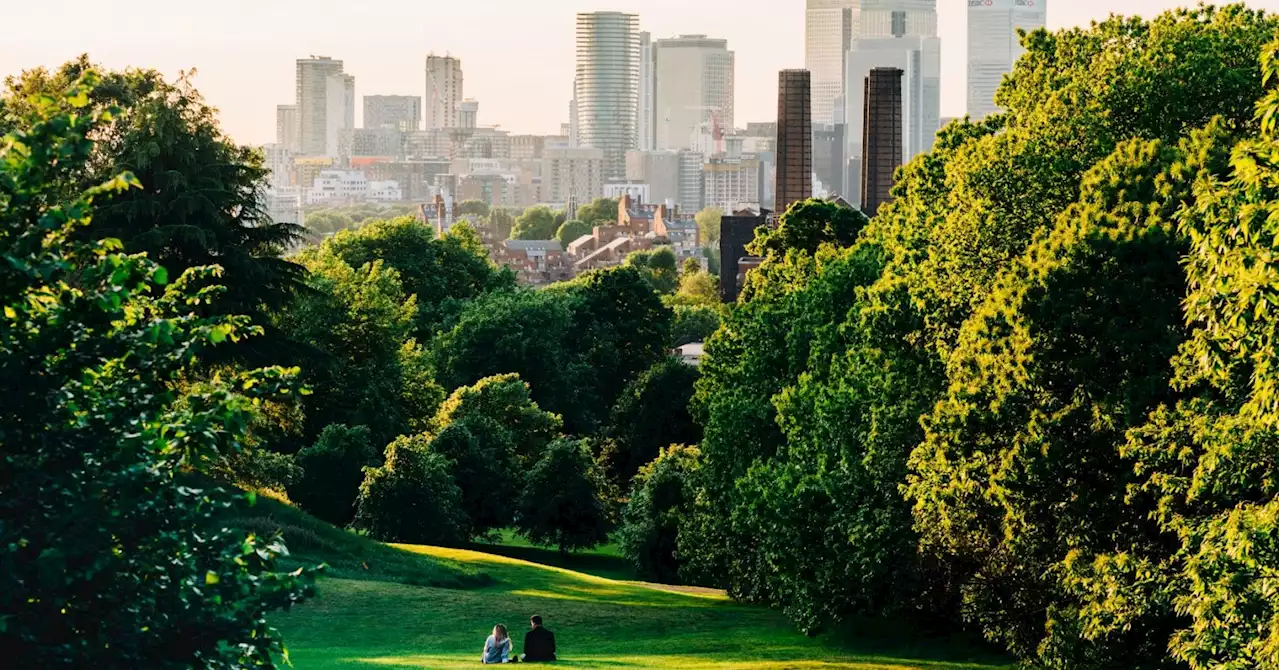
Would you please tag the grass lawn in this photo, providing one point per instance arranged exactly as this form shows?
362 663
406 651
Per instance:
599 623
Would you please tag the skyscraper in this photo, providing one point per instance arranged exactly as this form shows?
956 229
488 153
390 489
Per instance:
444 91
402 112
994 46
326 101
795 139
605 86
881 135
646 92
898 34
695 89
829 25
287 127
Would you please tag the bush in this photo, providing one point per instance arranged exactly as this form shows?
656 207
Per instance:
660 494
411 497
561 504
332 470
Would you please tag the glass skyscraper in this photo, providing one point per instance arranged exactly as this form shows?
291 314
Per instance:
994 46
606 83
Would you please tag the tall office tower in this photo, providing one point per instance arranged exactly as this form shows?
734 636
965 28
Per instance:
444 91
829 25
881 135
899 34
401 112
646 110
326 101
605 82
287 127
795 140
694 90
994 46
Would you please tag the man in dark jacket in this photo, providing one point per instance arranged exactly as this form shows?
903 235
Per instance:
539 643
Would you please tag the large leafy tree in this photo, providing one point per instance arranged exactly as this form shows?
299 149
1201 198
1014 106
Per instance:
658 267
601 211
200 201
535 223
560 504
412 497
571 230
111 558
332 470
661 497
651 414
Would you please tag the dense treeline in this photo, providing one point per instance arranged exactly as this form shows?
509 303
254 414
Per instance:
1036 395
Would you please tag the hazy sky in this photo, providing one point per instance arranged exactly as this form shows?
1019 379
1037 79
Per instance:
517 55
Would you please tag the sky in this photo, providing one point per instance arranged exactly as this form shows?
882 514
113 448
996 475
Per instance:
517 55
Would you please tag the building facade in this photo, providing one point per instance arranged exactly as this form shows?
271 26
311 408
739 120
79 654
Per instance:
399 112
468 113
731 183
994 46
326 102
287 127
694 89
659 169
444 91
829 25
689 178
606 79
794 168
575 174
881 135
646 92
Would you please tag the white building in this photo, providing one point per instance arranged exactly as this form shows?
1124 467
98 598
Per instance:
690 353
729 183
385 191
326 102
572 173
694 89
284 205
444 91
829 25
278 160
287 127
399 112
338 186
660 170
994 46
606 79
468 111
637 192
646 109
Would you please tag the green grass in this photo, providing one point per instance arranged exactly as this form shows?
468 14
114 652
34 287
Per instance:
348 554
599 623
603 561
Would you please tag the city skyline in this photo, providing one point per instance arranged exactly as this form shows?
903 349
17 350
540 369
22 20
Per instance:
245 54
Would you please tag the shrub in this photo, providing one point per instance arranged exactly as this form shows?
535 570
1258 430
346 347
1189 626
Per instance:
411 497
332 470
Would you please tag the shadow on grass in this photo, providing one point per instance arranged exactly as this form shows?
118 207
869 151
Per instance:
599 565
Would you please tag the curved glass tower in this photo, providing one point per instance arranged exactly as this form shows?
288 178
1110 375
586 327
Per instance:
606 86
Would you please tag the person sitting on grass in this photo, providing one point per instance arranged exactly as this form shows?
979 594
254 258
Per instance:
497 647
539 643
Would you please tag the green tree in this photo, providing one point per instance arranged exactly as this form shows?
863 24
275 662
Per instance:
560 504
112 559
200 202
601 211
658 266
501 222
708 220
506 400
481 464
651 414
326 222
442 274
332 470
536 223
572 230
412 497
696 288
476 208
661 497
693 323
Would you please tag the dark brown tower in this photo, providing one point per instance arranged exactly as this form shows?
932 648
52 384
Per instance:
795 140
881 135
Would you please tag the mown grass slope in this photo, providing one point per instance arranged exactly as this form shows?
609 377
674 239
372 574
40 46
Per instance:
599 623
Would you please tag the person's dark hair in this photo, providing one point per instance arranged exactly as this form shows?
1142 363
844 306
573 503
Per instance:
535 620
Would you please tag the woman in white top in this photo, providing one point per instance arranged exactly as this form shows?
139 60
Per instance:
497 647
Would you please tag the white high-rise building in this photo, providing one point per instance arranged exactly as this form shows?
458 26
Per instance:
694 89
287 127
646 109
901 34
606 79
444 91
829 25
994 46
326 101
